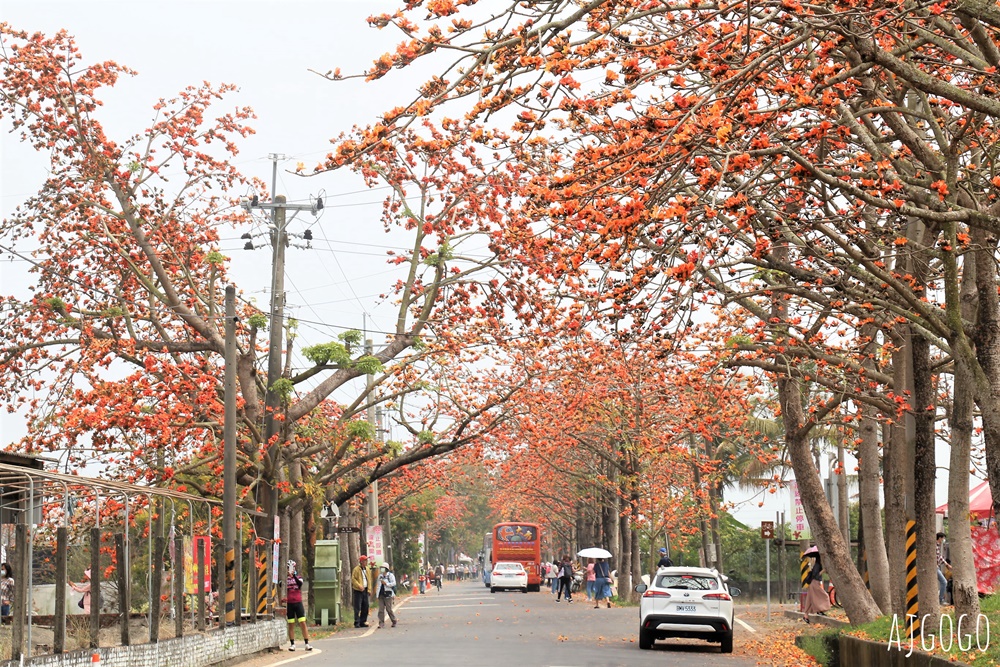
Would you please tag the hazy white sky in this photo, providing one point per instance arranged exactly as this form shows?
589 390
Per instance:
267 49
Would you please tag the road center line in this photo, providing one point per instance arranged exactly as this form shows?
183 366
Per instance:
449 606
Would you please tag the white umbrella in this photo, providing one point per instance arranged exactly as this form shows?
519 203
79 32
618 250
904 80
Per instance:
594 552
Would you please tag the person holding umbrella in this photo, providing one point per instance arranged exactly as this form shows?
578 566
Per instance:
602 573
817 601
602 582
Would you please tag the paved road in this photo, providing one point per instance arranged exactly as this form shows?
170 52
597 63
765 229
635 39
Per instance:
466 625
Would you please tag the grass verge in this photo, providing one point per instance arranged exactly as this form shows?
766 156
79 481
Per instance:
943 641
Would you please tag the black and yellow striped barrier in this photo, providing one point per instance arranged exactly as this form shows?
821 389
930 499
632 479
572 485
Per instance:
912 605
804 567
262 590
230 586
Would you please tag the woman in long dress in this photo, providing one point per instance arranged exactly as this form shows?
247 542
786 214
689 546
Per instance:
817 599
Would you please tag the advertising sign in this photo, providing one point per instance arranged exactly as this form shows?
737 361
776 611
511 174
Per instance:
517 543
191 548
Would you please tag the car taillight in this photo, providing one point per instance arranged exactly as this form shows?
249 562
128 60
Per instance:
655 594
716 596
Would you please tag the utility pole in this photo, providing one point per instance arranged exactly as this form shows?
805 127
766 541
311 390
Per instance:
373 494
386 528
229 439
279 241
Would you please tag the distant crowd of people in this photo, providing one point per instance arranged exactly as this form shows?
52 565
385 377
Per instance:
595 578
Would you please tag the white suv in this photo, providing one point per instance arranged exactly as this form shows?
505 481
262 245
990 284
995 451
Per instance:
692 602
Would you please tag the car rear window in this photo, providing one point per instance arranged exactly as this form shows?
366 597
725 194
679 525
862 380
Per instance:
509 566
689 582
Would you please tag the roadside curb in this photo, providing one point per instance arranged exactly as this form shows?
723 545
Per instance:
816 618
370 630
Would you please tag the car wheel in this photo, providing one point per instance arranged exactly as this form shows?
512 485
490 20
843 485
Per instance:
646 639
524 590
492 589
727 642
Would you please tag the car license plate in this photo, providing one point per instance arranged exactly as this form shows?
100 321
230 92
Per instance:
686 608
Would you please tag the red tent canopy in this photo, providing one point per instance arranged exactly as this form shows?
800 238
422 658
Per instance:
980 502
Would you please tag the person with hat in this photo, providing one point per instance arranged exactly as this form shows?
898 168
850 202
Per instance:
385 592
664 559
295 611
817 600
359 586
85 588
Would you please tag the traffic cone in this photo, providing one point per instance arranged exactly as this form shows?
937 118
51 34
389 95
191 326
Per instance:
416 589
95 660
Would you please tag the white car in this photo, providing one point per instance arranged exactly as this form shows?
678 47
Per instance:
508 575
691 602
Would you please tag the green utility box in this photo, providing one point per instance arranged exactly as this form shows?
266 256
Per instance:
326 582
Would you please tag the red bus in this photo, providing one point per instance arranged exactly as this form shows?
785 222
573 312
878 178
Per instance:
521 543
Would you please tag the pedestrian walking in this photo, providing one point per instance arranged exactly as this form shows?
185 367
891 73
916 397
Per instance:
590 579
385 592
6 589
602 582
565 579
359 585
295 611
817 599
943 567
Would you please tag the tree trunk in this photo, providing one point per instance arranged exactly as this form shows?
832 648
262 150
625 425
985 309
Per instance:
851 590
295 514
635 571
349 552
963 568
925 467
987 339
843 501
609 518
309 558
871 515
696 481
899 464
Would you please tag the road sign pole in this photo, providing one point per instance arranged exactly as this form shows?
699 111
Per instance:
767 560
767 534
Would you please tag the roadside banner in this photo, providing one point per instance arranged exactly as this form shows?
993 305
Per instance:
376 552
800 527
191 563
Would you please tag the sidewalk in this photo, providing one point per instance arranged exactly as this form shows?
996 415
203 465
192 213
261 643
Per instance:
771 642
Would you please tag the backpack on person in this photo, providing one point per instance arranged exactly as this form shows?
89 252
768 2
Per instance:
567 570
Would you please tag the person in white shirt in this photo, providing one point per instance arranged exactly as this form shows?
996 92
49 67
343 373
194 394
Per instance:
385 589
